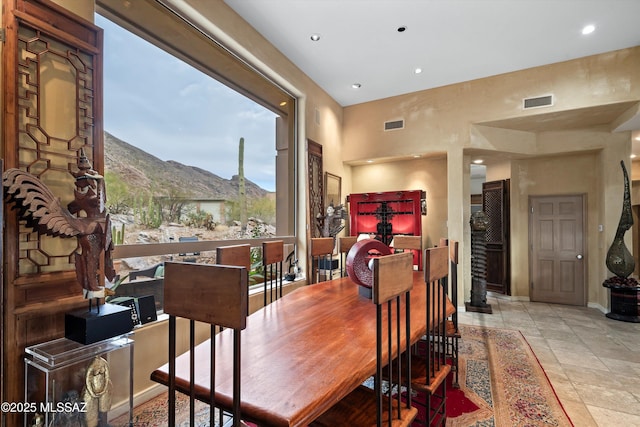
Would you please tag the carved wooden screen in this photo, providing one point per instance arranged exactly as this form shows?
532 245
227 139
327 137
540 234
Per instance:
495 204
52 108
57 97
55 81
316 188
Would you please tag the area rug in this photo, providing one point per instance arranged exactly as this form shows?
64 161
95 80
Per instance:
153 413
501 376
501 384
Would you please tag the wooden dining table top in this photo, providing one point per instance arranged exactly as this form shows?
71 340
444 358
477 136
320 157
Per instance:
300 354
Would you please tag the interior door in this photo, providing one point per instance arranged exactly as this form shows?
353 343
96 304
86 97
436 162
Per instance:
558 258
495 204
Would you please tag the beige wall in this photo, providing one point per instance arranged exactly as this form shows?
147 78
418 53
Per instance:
456 120
541 176
439 120
420 174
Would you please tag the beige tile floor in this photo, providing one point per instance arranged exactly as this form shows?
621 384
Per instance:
593 362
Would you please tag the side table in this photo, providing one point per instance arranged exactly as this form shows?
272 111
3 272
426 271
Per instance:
68 383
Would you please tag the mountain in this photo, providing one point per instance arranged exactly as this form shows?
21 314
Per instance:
139 169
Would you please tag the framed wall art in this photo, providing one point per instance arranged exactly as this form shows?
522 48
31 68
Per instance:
332 186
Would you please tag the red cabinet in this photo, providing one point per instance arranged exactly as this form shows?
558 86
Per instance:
386 214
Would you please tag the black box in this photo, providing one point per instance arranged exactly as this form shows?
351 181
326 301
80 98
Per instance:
147 308
131 304
326 264
88 327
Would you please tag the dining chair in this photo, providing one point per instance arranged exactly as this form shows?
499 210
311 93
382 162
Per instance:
212 294
236 255
392 284
321 249
272 258
409 243
453 332
429 368
344 245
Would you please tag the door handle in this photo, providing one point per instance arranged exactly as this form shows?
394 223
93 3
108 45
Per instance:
579 256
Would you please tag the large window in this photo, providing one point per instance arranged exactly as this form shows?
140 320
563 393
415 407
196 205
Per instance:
178 143
198 146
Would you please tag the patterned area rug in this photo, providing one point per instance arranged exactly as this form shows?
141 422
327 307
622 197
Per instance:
501 375
153 413
501 384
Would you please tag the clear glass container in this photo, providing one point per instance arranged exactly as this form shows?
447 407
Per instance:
68 383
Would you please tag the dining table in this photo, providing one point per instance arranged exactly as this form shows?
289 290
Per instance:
300 354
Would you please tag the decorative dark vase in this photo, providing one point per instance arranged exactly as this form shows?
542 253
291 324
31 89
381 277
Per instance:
619 260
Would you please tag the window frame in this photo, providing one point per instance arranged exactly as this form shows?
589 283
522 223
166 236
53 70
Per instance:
164 28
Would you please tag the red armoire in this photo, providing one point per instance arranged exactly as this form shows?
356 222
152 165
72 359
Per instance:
384 215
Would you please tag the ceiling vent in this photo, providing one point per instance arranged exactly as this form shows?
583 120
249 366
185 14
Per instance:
540 101
394 125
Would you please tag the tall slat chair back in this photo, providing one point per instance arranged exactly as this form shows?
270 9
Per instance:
453 332
392 284
272 259
344 246
213 294
321 257
237 255
435 367
410 243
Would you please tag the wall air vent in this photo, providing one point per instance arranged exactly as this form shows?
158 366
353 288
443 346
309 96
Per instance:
394 125
540 101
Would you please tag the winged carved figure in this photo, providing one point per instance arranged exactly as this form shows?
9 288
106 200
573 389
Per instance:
44 213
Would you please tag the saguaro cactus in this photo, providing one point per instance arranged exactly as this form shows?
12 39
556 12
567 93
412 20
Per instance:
242 192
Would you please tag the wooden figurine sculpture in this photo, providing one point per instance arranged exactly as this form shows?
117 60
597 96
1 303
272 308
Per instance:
332 223
85 218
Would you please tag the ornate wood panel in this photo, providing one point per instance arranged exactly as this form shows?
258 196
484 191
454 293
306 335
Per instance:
495 204
52 108
316 187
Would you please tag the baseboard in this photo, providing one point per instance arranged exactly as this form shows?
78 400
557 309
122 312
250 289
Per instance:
598 307
508 297
122 408
527 299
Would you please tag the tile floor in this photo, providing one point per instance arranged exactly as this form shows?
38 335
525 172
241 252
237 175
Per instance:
592 361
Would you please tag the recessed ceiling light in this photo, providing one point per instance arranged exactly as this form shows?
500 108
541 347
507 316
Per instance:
588 29
417 70
315 37
633 156
637 138
416 156
356 85
478 161
402 29
369 161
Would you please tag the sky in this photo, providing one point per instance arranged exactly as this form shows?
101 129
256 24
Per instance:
167 108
